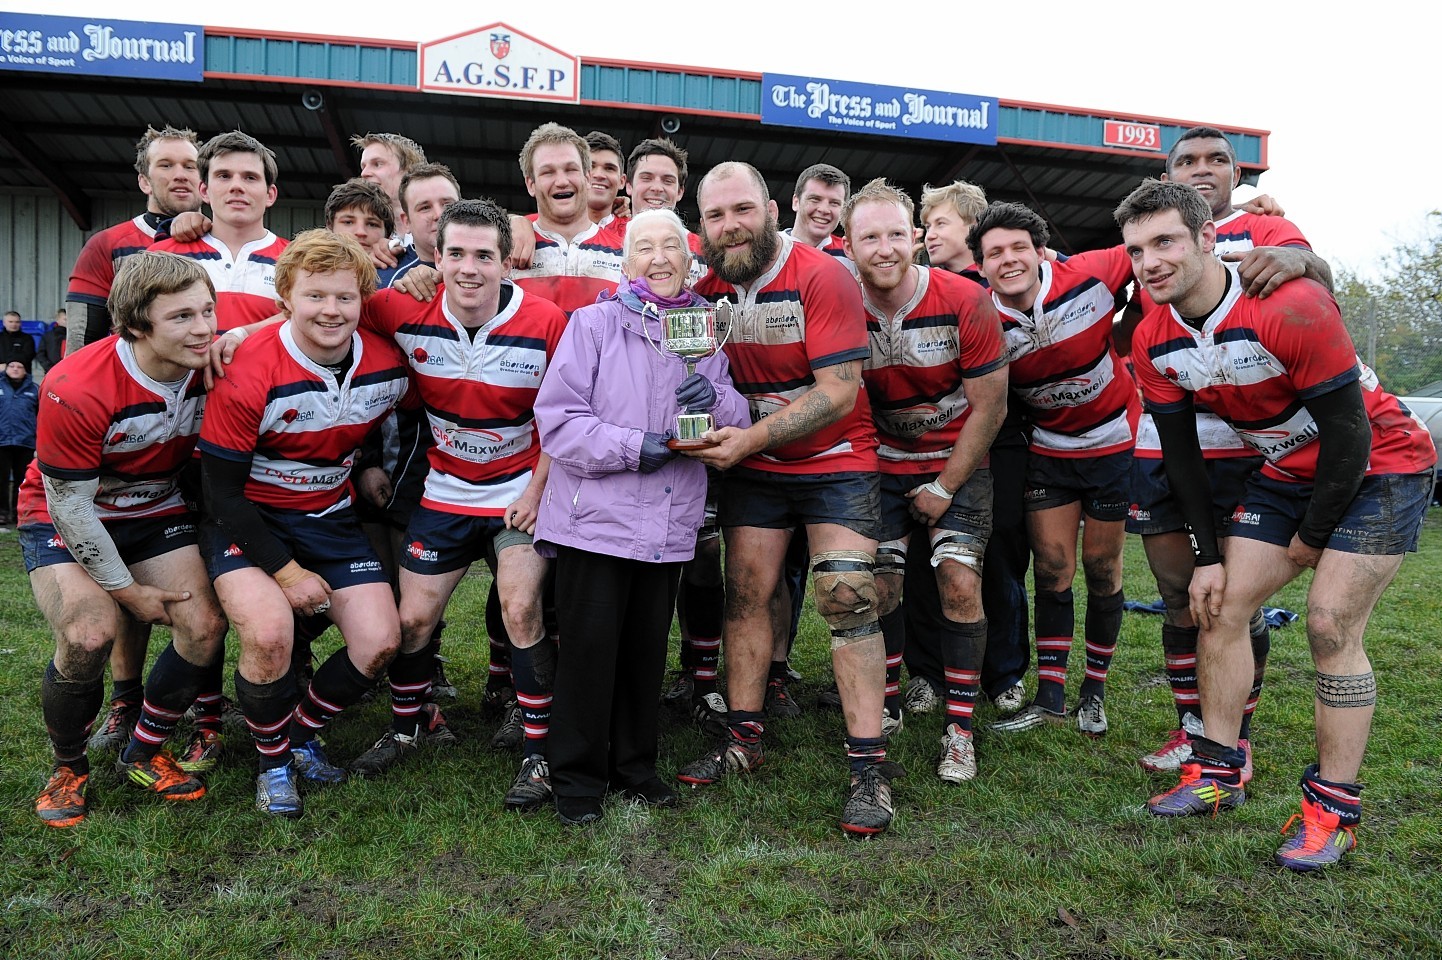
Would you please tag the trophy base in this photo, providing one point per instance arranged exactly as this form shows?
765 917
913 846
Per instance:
697 444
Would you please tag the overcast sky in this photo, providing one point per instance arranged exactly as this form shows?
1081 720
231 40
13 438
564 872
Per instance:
1348 93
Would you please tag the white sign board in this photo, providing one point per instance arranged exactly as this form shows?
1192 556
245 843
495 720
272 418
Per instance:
499 61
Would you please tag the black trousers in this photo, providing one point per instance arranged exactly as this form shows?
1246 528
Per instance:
614 617
14 461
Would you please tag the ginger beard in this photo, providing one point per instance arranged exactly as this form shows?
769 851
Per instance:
742 266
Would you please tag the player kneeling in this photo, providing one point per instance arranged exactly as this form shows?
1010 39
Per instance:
280 537
119 422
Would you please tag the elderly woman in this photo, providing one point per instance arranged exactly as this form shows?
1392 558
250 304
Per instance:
620 513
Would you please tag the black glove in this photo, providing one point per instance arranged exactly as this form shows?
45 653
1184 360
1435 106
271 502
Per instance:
654 452
696 394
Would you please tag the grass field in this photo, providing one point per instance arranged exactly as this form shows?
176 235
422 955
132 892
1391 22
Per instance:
1048 854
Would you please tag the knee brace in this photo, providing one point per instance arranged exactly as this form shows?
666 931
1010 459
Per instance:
845 584
964 548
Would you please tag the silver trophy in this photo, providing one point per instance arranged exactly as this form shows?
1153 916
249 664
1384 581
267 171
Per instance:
690 334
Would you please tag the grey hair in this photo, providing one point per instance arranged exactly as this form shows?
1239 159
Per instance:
669 216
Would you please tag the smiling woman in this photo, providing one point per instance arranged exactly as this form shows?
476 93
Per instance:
620 514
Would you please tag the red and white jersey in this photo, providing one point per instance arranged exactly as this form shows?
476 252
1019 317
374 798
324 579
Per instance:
479 394
298 427
920 361
1063 365
101 257
1239 232
802 314
244 284
573 274
833 245
101 417
1255 363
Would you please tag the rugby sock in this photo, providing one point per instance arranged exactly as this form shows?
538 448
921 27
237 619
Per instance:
1261 647
777 671
893 634
1342 799
746 726
1179 647
70 708
1103 626
209 702
267 708
500 669
962 647
1218 762
127 691
168 692
534 670
337 684
1055 621
702 647
410 676
862 752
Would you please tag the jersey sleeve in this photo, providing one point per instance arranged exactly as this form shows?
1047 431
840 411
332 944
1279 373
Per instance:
835 317
982 349
1159 395
94 272
1111 266
1305 332
1277 232
232 418
69 431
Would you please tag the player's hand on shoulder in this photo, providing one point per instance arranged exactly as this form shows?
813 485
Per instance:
421 283
189 226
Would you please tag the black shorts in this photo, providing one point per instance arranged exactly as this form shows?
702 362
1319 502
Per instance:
137 540
1154 510
1100 483
969 513
784 501
437 542
333 546
1383 519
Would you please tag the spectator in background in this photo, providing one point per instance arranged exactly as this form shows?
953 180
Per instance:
19 404
52 342
16 344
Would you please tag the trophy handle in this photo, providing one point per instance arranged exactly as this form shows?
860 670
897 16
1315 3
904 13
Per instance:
730 325
646 332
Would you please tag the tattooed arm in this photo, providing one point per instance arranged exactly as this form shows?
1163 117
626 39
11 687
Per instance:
832 398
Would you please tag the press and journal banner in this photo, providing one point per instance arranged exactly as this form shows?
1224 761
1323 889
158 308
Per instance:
872 108
102 48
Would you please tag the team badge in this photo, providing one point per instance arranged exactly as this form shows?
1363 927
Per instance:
500 45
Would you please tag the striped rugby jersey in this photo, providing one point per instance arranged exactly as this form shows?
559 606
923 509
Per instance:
100 259
1238 232
1256 362
298 427
479 395
802 314
920 361
572 275
101 417
244 285
1063 365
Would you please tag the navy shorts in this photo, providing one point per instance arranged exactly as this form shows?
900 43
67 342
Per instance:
1100 483
1384 519
969 513
1154 510
437 542
332 545
137 540
784 501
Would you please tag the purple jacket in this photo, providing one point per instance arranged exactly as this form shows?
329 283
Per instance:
605 387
